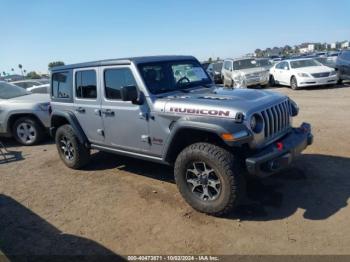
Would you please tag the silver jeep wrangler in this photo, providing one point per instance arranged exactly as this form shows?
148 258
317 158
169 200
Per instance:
166 109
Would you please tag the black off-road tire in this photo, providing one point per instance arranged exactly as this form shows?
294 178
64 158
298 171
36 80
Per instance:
33 123
228 170
81 154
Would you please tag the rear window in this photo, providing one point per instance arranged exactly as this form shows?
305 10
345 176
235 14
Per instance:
61 85
85 84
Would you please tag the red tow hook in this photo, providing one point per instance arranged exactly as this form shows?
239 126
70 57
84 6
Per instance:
279 146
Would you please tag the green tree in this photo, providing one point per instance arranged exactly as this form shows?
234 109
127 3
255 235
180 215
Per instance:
55 63
33 75
210 60
258 52
20 67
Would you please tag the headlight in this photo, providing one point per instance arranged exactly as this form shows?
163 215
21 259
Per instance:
44 106
303 75
256 123
294 108
333 73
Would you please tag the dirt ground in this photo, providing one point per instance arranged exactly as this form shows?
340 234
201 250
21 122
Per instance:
119 205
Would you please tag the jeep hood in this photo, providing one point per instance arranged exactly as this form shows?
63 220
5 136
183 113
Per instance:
218 102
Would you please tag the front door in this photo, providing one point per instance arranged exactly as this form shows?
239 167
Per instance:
87 103
125 124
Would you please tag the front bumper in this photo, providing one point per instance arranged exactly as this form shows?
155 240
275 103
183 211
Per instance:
311 81
257 81
281 153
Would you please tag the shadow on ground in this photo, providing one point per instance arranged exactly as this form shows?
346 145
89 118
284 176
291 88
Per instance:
24 235
317 184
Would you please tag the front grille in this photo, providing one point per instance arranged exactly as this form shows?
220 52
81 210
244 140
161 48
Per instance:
318 75
276 119
252 75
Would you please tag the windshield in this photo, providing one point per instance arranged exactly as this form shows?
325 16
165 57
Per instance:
264 62
304 63
217 67
162 77
244 64
8 91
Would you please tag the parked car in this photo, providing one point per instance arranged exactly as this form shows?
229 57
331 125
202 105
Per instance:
40 86
244 72
327 61
205 65
214 70
166 109
23 115
265 63
343 65
298 73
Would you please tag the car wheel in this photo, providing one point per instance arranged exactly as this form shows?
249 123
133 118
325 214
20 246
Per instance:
294 83
340 81
28 131
73 153
209 178
272 81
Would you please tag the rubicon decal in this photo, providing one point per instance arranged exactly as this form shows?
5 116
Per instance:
194 111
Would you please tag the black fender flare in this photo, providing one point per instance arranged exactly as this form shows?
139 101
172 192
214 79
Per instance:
73 122
213 126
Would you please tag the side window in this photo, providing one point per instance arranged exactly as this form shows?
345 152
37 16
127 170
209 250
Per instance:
85 84
115 79
227 65
61 85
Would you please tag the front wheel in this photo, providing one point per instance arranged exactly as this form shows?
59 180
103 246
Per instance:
294 83
73 153
28 131
209 178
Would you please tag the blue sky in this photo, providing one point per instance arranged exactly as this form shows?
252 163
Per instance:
35 32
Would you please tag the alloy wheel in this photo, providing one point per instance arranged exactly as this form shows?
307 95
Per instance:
203 181
26 133
67 148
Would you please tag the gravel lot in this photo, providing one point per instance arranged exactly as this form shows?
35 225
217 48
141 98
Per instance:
119 205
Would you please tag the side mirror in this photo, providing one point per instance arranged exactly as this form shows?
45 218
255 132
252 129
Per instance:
286 68
129 93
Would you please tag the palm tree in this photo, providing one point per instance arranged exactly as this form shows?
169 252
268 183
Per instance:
20 67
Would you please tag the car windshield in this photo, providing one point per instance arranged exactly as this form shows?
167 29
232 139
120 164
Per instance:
304 63
217 67
264 62
244 64
162 77
8 91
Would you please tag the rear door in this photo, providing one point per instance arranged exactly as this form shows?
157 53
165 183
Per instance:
87 103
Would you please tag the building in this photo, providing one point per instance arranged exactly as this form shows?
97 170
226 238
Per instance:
345 45
311 47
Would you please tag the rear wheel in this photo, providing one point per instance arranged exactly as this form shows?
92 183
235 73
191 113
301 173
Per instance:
73 153
294 83
28 131
209 178
340 81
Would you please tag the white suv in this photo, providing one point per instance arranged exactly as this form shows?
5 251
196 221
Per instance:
244 72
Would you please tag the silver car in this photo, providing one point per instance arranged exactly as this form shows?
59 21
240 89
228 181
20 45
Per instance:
40 86
244 72
23 115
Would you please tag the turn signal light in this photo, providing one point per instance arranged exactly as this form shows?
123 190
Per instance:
227 137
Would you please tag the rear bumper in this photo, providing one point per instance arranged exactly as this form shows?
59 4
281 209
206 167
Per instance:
280 154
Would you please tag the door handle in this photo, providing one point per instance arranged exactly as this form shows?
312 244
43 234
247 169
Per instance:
80 110
108 112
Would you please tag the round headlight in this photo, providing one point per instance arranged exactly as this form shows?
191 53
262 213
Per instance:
256 123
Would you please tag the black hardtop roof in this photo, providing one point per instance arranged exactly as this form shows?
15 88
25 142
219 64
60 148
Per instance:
124 61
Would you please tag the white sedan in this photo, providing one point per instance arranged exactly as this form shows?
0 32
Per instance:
303 72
